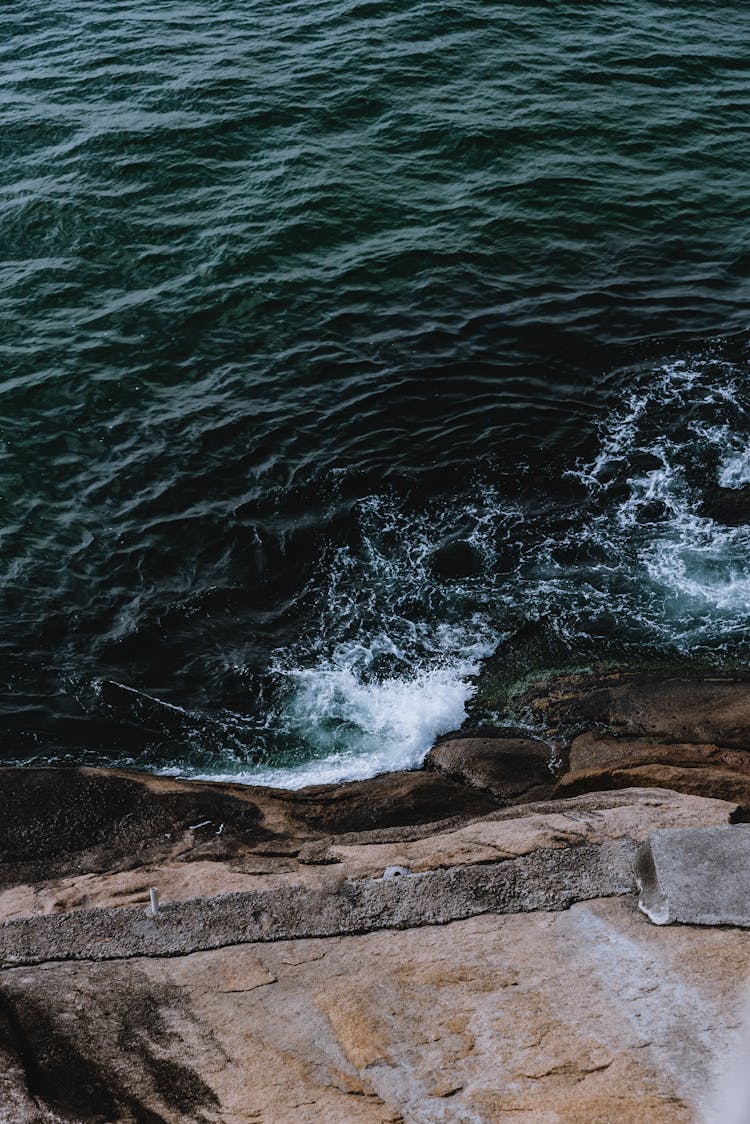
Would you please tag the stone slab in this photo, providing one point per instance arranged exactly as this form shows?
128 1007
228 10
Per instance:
583 1016
697 876
549 879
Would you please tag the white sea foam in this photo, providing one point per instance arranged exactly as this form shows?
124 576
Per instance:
734 470
356 729
386 665
684 567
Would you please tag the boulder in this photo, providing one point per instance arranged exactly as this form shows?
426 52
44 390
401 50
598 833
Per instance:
511 767
697 875
598 761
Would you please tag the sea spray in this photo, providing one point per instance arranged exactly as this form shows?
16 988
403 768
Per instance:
397 613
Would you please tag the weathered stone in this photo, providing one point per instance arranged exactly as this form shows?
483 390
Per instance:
544 879
61 821
598 762
585 1016
707 708
390 801
591 819
510 767
593 754
700 876
432 1013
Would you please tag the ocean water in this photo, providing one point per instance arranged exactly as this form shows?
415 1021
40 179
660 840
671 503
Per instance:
342 342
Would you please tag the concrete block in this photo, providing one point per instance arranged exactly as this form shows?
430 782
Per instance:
697 876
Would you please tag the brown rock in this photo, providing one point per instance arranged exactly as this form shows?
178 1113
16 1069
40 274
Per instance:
589 1015
699 708
599 762
594 820
393 800
579 1014
560 1016
511 768
594 753
60 822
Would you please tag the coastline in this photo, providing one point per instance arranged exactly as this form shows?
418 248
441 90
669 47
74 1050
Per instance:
499 825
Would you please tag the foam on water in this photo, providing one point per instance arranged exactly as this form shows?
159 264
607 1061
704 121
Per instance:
688 422
359 729
384 660
385 666
734 471
249 247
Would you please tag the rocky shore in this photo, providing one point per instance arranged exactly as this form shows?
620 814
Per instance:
457 943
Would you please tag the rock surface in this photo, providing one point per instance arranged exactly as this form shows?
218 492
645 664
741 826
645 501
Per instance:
616 729
422 947
336 1028
507 764
698 708
598 761
586 1016
699 876
536 857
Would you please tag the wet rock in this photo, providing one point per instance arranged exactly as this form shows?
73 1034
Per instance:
390 801
510 767
95 819
65 822
695 707
699 876
730 506
599 762
534 647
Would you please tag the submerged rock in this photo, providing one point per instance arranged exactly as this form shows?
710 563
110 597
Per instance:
727 505
456 559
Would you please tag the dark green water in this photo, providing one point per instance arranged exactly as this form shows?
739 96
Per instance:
294 295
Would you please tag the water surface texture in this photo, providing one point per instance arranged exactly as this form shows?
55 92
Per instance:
342 341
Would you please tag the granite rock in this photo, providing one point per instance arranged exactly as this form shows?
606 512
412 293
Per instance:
512 767
696 875
711 708
578 1017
